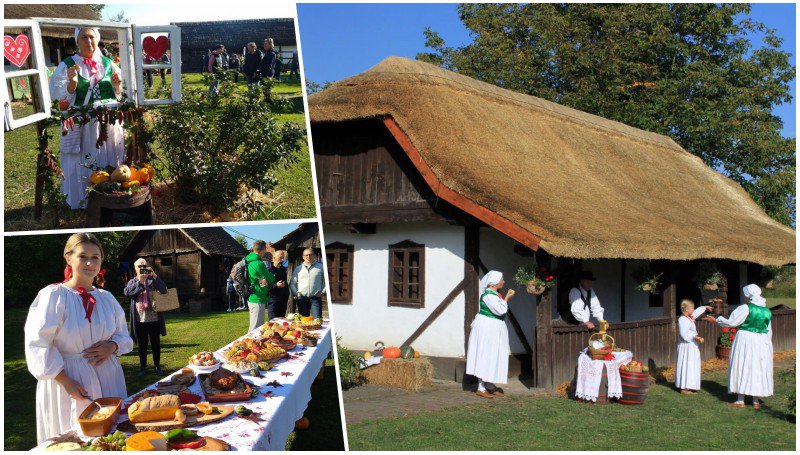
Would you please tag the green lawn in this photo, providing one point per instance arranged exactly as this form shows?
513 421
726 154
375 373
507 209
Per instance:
668 421
292 198
187 334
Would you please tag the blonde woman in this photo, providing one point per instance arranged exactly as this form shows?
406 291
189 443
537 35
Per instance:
73 335
488 348
687 368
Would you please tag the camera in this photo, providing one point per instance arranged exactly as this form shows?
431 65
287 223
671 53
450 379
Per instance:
146 270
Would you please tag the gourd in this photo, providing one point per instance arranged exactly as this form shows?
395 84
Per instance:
416 354
391 353
121 174
407 352
129 184
98 177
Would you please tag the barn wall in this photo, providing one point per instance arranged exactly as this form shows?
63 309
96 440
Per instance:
369 318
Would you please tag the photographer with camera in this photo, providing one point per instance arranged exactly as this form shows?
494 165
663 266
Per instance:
145 322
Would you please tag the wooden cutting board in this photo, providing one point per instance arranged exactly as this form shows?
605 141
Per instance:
215 445
191 421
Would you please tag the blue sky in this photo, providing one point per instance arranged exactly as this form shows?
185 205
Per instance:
162 13
341 40
266 232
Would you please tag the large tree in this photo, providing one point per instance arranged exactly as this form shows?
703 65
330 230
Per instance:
689 71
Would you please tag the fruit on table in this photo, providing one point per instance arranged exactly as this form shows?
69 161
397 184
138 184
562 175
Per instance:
121 174
147 441
407 352
98 177
264 365
205 407
242 410
392 352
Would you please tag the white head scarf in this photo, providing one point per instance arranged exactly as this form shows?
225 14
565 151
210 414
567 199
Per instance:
753 292
490 279
96 33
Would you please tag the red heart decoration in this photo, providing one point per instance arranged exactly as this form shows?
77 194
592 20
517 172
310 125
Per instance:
155 47
17 50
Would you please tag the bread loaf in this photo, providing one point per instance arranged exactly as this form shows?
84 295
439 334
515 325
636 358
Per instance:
162 407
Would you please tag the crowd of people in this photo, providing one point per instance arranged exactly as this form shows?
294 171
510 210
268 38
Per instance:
255 64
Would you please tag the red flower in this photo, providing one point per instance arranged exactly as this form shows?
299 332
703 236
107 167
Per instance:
550 277
725 330
733 330
730 337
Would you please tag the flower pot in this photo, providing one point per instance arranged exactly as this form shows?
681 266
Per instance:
532 288
710 287
723 352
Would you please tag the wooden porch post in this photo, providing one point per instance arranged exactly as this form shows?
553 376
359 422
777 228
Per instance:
669 296
544 331
471 266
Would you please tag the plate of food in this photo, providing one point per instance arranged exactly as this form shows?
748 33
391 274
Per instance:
224 385
241 366
204 362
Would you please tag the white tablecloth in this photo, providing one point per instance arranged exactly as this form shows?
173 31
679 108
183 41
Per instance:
590 374
282 399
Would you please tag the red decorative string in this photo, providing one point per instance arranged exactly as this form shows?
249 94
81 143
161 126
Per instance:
88 302
67 272
101 278
92 65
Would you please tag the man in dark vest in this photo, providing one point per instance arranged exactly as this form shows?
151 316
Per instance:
584 302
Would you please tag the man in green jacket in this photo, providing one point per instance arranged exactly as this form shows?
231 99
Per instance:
260 278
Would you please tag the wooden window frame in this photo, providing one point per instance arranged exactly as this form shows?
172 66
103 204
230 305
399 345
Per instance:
332 254
407 247
37 74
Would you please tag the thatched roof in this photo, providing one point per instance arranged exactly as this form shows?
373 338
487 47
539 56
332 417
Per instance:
82 12
573 183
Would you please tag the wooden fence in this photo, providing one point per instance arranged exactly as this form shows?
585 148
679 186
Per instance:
653 341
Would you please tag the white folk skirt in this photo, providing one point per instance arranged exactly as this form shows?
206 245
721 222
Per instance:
687 368
750 364
80 151
488 350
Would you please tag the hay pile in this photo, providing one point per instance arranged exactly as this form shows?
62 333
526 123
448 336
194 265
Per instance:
409 374
564 390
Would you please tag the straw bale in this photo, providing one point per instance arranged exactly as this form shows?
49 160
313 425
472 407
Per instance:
410 374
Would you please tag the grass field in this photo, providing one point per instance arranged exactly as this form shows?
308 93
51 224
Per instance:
292 198
667 421
186 335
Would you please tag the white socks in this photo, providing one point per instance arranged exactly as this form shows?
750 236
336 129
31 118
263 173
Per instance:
481 386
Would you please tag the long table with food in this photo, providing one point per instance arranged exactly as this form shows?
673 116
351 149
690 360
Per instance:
248 395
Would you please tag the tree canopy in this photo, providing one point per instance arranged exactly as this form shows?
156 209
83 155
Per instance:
689 71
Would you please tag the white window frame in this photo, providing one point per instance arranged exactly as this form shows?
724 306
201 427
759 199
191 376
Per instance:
130 53
39 71
174 63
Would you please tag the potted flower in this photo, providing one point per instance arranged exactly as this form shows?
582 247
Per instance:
709 277
725 342
648 280
536 281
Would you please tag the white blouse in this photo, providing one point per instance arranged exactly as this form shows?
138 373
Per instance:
495 304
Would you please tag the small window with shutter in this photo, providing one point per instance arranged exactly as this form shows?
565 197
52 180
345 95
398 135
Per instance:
340 272
407 274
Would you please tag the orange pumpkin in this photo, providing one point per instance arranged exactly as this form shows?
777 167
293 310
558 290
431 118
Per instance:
416 354
392 352
129 184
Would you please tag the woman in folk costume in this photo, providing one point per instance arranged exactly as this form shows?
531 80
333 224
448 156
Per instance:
687 368
87 79
73 335
488 349
750 363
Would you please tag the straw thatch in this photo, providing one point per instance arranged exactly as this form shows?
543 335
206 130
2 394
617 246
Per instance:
82 12
409 374
586 186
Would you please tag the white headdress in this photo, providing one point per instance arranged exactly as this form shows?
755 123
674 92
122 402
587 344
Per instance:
78 32
490 279
753 292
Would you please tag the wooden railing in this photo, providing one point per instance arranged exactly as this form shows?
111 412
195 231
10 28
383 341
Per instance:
653 341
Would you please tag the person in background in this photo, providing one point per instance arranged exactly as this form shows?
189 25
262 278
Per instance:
236 66
278 67
294 67
267 67
260 279
584 302
252 64
145 321
232 295
278 292
162 71
73 335
102 46
148 74
214 65
225 58
307 285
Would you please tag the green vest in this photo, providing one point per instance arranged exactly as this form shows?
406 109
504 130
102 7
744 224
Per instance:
485 309
757 320
104 84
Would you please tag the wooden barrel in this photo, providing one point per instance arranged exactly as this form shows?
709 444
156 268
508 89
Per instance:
634 387
602 393
135 209
723 352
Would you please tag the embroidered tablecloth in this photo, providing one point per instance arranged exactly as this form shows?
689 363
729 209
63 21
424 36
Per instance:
284 393
590 373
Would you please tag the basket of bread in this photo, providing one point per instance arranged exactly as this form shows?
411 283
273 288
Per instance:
601 344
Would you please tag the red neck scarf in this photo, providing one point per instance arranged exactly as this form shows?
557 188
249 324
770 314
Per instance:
88 299
92 65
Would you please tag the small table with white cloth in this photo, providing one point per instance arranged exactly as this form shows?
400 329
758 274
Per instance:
590 374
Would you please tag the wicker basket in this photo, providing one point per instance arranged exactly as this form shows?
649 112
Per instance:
534 289
710 287
600 354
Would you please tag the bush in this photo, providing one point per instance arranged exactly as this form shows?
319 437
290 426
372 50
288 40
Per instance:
222 147
350 365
